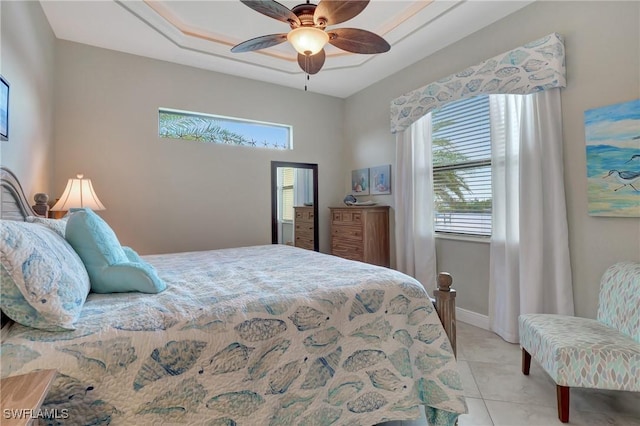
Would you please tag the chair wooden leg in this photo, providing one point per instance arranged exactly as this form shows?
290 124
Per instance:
563 403
526 362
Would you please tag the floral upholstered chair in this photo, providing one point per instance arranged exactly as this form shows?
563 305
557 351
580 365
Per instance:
588 353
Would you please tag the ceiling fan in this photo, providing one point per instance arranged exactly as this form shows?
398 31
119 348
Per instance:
308 33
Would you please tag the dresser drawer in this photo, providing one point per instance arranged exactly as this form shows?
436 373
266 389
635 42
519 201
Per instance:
347 251
304 227
304 241
346 217
304 233
304 215
349 232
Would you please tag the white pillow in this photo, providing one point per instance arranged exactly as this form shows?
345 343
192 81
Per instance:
59 226
46 271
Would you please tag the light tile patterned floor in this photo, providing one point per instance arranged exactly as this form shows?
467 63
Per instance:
499 394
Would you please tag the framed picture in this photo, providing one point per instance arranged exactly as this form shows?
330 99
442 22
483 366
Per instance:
4 109
360 182
380 180
613 159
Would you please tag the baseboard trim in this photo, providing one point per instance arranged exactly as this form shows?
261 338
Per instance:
473 318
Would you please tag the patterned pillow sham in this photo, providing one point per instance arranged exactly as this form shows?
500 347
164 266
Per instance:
15 306
46 271
59 226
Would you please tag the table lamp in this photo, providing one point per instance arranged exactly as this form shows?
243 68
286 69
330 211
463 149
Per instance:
78 193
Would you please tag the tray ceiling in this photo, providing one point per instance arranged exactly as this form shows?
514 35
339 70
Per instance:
201 34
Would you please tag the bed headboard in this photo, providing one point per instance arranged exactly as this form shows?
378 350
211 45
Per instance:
13 206
14 203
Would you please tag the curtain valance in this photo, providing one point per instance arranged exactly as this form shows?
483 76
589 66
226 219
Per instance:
536 66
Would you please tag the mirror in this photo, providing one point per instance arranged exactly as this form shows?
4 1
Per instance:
294 204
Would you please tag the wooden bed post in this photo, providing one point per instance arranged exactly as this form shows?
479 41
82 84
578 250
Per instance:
446 306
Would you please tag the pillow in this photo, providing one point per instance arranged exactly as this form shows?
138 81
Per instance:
57 225
110 269
44 283
132 255
15 306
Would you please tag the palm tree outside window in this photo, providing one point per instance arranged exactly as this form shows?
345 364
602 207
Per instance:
217 129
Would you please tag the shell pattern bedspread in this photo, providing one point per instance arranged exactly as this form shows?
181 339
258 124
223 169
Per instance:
265 335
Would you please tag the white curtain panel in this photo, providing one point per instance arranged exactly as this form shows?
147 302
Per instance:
530 270
413 189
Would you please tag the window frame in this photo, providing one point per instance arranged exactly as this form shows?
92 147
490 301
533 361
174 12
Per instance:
235 139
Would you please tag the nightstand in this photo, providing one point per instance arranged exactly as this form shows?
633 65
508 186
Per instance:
58 214
21 396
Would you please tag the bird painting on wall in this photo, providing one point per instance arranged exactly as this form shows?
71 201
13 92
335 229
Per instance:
613 159
633 157
625 177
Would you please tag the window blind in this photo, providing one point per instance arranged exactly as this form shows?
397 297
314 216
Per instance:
462 167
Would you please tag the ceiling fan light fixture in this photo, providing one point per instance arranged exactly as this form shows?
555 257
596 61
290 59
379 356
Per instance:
308 40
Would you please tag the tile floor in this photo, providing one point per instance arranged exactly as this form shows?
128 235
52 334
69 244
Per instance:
499 394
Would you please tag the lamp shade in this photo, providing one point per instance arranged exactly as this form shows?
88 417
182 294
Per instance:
308 40
78 193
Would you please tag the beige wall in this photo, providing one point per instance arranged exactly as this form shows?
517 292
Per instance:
26 62
603 53
166 195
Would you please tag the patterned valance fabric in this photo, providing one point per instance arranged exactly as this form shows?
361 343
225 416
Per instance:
538 65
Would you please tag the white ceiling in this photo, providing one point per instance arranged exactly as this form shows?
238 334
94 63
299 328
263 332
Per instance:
201 34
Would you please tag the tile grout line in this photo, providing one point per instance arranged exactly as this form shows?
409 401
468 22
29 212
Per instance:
473 376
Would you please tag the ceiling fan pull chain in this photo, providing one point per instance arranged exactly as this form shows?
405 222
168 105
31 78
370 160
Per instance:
306 67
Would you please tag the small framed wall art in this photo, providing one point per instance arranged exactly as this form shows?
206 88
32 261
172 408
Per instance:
380 180
4 109
360 182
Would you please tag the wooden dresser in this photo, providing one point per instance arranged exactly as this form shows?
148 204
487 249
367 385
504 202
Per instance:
361 233
303 227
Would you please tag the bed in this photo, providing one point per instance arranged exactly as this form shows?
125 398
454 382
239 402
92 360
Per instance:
263 335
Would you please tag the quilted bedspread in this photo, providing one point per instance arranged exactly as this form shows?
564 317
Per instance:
264 335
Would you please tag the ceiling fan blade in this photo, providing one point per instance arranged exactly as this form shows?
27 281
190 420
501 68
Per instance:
273 9
258 43
311 64
333 12
358 41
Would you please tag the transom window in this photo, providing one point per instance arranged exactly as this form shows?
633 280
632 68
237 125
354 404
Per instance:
194 126
461 143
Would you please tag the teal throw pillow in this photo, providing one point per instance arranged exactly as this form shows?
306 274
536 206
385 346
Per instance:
111 268
131 254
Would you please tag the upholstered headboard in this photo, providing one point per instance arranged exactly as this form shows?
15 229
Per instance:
13 205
